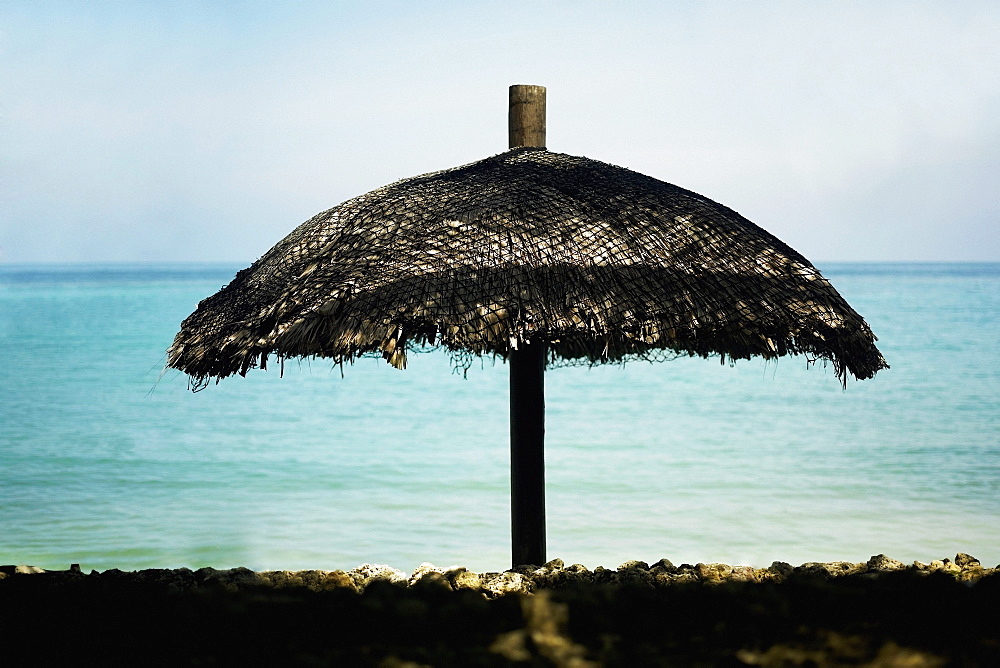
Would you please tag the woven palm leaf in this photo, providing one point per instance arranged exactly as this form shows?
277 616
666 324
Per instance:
602 263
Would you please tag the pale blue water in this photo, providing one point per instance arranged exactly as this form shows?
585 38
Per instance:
104 463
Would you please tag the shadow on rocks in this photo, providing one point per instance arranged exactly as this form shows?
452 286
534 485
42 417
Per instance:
880 612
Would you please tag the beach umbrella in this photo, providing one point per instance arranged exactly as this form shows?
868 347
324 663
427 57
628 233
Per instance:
535 257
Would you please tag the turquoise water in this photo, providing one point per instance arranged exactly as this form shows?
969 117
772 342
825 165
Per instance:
108 462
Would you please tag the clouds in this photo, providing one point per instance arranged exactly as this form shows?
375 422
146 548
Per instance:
206 131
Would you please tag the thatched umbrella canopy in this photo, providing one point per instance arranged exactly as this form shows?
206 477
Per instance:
603 263
575 259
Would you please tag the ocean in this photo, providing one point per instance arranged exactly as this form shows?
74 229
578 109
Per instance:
108 461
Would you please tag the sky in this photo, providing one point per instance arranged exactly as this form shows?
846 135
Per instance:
207 131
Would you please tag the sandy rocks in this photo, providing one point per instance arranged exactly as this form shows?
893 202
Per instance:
963 560
463 578
830 569
780 569
429 575
663 566
713 573
880 562
312 580
365 574
24 570
231 579
553 576
508 582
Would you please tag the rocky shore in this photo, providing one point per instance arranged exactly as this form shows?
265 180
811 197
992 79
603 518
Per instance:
881 612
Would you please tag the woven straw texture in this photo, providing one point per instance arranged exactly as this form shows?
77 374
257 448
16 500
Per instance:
602 263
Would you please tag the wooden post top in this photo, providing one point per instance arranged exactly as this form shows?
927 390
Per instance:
526 116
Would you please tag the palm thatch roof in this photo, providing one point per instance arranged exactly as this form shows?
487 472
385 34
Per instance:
602 263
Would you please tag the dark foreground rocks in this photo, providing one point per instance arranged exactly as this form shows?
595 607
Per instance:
879 613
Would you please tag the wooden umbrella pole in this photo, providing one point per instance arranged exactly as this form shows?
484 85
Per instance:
527 454
526 127
526 116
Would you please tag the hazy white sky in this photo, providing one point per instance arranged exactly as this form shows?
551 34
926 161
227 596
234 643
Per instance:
162 131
